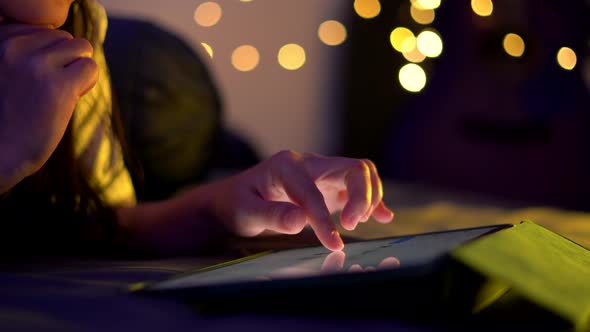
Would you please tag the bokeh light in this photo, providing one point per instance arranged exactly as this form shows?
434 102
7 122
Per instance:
482 7
208 49
208 14
332 33
291 56
426 4
429 43
367 8
414 55
402 39
513 45
245 58
412 77
422 16
566 58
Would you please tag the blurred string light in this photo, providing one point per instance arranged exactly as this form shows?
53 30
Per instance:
245 58
421 15
416 49
291 56
208 49
207 14
367 8
566 58
426 4
412 77
513 45
402 39
332 33
482 7
429 43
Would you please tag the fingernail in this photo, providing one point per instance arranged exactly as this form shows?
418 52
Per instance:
336 236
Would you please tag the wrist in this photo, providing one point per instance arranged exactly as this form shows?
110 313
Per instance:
183 224
216 199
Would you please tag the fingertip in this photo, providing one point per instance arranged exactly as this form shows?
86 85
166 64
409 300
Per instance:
348 220
355 268
85 70
390 214
389 263
347 224
333 262
333 241
382 214
338 244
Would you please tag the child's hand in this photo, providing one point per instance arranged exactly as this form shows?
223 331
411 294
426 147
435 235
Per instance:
43 73
290 190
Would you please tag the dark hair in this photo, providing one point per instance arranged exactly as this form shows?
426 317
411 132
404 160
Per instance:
56 210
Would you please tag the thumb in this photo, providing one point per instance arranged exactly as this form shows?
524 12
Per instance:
281 217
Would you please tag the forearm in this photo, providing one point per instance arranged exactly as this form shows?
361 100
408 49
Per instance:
183 224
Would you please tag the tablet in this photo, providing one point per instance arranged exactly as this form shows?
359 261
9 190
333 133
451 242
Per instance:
404 266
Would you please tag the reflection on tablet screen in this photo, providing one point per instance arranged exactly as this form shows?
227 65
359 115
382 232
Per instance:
362 256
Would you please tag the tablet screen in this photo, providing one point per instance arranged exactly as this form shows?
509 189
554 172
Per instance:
363 256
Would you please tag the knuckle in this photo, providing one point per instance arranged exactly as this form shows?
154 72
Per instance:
360 165
283 158
39 66
287 155
369 163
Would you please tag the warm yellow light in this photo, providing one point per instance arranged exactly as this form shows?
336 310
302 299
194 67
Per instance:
402 39
412 77
207 14
246 0
482 7
408 44
367 8
332 33
422 16
429 43
291 56
245 58
208 49
427 4
513 45
566 58
414 55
